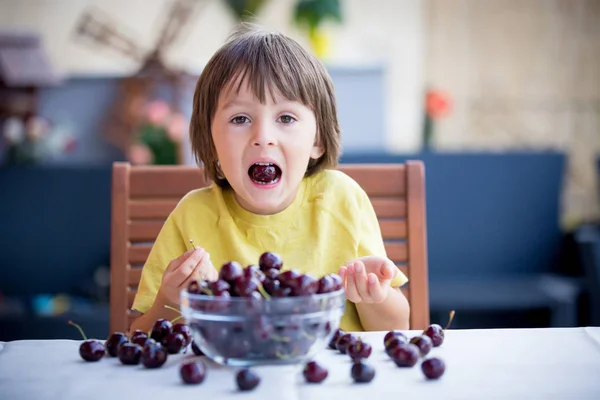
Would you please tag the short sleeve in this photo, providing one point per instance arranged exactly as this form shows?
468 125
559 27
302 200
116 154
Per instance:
169 245
370 238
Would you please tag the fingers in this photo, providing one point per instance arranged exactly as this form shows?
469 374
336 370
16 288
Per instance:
174 264
350 284
207 270
388 271
360 281
194 275
187 267
364 286
377 290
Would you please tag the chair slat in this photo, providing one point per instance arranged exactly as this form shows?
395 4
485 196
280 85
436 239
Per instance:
389 207
165 181
397 251
378 180
151 209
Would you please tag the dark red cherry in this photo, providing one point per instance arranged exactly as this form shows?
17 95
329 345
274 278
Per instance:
218 287
344 341
154 355
139 337
362 373
161 329
173 342
89 349
394 334
359 350
270 260
231 271
314 373
333 342
245 287
114 341
253 271
247 380
129 353
405 355
435 333
326 284
424 344
304 285
271 273
433 368
337 282
193 372
184 330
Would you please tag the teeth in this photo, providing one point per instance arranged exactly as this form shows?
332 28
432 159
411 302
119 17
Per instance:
265 164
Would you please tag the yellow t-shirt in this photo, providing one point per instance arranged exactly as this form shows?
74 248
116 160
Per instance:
330 222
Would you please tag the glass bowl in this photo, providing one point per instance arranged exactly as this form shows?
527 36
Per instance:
242 331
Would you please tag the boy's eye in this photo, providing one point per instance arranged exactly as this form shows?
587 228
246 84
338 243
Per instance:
286 119
239 119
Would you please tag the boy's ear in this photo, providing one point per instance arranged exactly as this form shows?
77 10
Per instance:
317 151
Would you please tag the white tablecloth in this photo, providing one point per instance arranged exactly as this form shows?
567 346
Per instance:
480 364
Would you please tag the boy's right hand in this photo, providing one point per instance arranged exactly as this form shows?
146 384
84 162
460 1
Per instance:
192 265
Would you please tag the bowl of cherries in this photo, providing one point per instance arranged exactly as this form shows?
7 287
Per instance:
262 314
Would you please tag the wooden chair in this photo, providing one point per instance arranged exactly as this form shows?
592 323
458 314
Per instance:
143 196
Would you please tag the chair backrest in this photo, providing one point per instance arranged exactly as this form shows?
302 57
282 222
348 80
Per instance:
143 197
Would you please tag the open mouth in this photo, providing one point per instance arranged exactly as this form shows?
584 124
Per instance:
264 173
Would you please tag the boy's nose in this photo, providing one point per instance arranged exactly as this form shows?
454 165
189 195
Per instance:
263 136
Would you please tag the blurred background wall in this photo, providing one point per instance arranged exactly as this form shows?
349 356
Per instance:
499 98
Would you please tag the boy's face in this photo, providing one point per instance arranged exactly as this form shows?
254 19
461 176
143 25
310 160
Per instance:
263 149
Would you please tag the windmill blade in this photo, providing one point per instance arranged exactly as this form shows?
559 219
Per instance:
181 12
99 29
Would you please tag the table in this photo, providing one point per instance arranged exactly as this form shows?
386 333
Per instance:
552 363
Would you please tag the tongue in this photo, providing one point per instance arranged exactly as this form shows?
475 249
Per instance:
263 173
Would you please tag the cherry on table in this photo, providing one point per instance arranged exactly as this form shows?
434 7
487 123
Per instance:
139 337
333 342
436 333
154 355
394 334
193 372
161 329
129 353
433 367
344 341
114 341
184 330
362 373
424 344
405 355
173 342
90 349
359 350
247 380
314 373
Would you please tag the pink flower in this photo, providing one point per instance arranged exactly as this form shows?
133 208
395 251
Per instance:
177 126
140 154
157 112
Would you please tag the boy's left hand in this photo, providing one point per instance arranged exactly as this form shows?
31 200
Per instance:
367 279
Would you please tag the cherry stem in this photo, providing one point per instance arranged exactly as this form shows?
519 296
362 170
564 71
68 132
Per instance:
450 320
80 330
176 319
173 308
192 243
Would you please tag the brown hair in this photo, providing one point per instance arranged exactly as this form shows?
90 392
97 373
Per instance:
268 61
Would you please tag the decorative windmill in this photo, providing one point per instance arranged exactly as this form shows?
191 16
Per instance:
96 28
